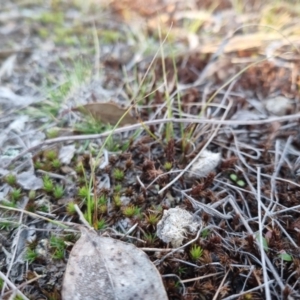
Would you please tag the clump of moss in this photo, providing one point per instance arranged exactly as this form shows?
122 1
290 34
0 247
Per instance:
11 179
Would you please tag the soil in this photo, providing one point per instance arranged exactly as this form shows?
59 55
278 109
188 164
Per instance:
216 133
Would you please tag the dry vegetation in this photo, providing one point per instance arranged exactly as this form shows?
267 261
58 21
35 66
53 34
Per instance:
213 92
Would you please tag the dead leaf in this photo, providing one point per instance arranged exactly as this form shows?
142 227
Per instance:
205 164
107 112
105 268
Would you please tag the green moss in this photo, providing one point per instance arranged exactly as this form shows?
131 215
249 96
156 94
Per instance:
118 188
130 211
102 200
58 247
52 133
56 18
11 179
48 184
58 191
71 208
101 224
56 164
168 166
15 194
117 201
152 219
84 192
110 36
38 165
43 33
50 154
118 174
149 238
32 194
30 255
196 252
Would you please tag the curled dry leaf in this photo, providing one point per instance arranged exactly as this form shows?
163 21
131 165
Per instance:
105 268
107 112
205 164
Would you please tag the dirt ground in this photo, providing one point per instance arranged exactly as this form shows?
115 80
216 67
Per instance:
115 113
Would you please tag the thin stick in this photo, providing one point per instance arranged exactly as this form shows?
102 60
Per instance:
11 285
220 286
152 122
260 226
249 291
82 218
200 277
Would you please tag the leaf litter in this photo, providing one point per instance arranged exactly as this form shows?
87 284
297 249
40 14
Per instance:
105 268
248 201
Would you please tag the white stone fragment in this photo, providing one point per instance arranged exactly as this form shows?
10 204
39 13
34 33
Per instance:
28 181
205 164
279 105
174 225
66 154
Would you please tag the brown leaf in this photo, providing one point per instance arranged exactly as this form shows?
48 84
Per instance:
105 268
107 112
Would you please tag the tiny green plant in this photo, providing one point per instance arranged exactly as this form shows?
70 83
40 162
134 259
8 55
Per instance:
285 256
50 154
150 238
31 194
48 184
168 166
117 200
56 242
5 225
233 177
118 188
118 174
102 209
15 194
1 283
102 200
59 253
58 246
263 241
205 233
196 252
248 296
71 208
101 224
56 164
52 133
58 191
130 211
9 204
30 255
44 208
11 179
90 126
240 182
152 219
79 168
84 192
182 270
38 165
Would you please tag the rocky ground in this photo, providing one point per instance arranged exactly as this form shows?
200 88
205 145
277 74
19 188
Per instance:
118 114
